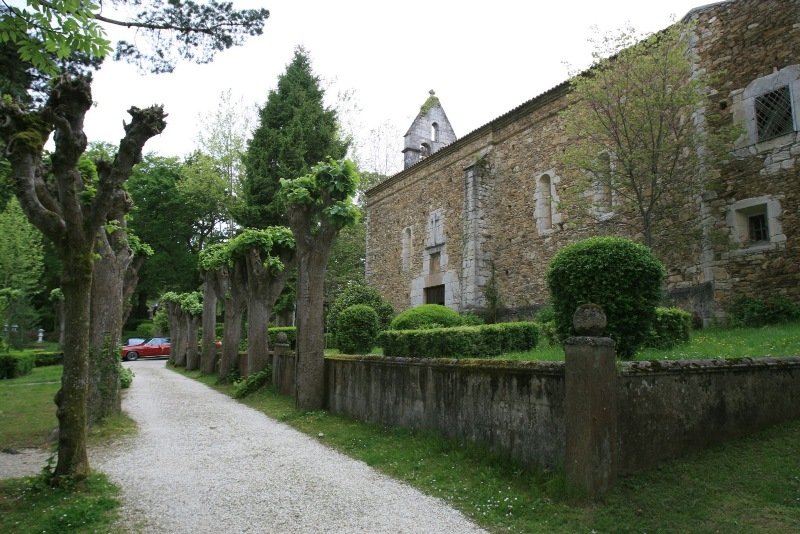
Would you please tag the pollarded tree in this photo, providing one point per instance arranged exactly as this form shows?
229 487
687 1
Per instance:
70 215
635 129
318 205
267 257
214 288
295 132
228 281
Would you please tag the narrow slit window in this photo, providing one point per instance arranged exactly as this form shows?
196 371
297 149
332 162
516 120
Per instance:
774 114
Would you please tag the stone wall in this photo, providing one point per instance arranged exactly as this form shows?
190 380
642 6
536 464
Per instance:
669 409
495 219
512 408
664 409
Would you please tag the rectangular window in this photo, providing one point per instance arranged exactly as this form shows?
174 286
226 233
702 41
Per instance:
774 114
758 229
434 295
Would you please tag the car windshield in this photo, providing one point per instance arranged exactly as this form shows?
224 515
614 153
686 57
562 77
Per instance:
156 341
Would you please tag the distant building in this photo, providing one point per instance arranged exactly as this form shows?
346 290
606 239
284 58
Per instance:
482 211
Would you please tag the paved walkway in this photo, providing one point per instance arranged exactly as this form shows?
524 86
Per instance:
202 462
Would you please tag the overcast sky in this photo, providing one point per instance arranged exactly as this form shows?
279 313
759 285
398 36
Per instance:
482 59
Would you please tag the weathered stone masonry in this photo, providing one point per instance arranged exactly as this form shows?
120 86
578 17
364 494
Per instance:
484 209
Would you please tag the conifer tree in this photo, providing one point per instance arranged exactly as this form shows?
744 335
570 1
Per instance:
295 132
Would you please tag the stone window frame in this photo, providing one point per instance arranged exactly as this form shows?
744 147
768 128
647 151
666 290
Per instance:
744 107
604 198
738 221
434 132
435 229
546 214
407 244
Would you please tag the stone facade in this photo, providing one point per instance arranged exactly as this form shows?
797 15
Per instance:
481 216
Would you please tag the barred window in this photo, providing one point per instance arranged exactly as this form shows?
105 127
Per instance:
774 114
758 228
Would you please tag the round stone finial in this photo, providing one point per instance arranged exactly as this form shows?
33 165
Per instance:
589 320
282 338
431 92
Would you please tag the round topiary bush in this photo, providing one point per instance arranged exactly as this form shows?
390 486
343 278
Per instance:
358 293
357 328
426 316
621 276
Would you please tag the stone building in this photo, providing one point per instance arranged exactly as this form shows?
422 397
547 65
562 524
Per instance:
480 216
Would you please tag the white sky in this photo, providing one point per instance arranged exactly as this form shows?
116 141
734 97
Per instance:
482 59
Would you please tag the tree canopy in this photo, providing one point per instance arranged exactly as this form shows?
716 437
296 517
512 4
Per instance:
635 129
166 30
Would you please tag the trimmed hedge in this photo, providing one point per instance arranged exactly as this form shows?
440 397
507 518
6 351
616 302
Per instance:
48 358
462 341
291 335
359 293
622 277
671 327
356 329
426 316
14 365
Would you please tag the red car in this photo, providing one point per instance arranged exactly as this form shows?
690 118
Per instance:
158 347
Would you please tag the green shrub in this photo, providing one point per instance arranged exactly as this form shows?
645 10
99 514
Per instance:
252 383
43 359
356 329
145 329
14 365
471 319
290 331
426 315
545 314
463 341
161 321
125 377
671 327
358 293
621 276
775 309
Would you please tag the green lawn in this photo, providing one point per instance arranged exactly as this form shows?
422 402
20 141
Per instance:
751 485
27 411
27 417
774 340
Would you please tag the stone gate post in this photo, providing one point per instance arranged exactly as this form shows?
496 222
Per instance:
591 459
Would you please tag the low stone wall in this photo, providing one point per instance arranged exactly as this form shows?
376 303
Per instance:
664 409
513 408
671 408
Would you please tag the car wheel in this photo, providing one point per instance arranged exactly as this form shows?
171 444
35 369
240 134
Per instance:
133 356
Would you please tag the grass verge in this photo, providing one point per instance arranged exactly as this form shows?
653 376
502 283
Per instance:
27 417
31 505
748 485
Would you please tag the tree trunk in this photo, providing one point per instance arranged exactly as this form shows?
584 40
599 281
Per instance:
180 341
71 399
129 286
209 344
192 354
310 366
235 299
174 330
106 324
264 287
60 317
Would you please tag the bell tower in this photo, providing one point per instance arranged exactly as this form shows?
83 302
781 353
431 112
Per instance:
429 132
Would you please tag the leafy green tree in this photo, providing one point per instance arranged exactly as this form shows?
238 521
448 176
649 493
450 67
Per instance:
295 132
204 192
166 31
318 205
635 132
21 267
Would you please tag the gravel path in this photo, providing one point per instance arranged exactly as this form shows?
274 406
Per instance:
202 462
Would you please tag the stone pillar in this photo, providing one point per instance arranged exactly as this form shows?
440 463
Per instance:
592 450
283 365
